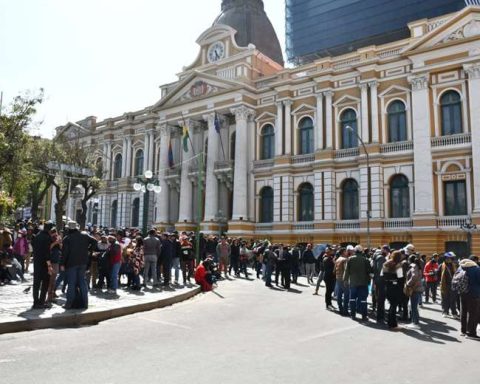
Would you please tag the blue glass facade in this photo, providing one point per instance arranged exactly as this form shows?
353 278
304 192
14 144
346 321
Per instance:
318 28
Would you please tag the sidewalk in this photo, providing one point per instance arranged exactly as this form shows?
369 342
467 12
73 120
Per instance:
16 314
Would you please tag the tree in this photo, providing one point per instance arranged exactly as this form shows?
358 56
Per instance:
14 128
84 172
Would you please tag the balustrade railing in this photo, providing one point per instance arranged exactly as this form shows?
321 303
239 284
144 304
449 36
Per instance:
299 159
349 152
458 139
347 224
400 146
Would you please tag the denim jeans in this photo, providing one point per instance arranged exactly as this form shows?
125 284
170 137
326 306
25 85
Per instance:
268 275
176 267
76 279
358 300
414 302
114 276
343 296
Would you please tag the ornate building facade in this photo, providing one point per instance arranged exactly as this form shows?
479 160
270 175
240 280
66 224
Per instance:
382 143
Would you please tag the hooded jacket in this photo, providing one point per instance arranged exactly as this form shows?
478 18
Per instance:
473 272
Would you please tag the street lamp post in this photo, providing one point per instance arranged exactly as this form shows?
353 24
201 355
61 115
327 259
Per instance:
369 191
146 184
469 227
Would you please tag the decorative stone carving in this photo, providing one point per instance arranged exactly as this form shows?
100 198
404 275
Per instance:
469 30
419 82
199 89
243 113
473 71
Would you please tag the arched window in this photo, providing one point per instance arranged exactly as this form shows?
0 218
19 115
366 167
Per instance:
451 111
397 122
350 200
113 216
233 138
117 167
306 136
138 163
349 137
267 142
305 202
455 193
136 212
266 205
399 197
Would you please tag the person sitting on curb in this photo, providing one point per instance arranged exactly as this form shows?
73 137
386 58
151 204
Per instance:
203 276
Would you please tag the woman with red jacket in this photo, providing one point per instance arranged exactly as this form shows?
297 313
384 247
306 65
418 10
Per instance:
430 272
203 276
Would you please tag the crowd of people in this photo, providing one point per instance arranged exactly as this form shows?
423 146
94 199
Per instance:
98 259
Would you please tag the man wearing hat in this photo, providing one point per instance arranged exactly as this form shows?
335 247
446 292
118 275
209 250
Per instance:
449 296
41 266
76 247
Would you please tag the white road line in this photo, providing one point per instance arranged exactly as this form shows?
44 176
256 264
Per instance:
165 323
330 333
4 361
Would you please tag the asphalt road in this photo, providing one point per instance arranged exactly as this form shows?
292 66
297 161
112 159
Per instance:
243 333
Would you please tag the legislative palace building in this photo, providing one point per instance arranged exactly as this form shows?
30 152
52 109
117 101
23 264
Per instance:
295 154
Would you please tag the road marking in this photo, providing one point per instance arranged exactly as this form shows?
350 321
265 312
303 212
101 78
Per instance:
330 333
4 361
165 323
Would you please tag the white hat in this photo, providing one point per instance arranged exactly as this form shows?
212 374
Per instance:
350 247
72 225
358 248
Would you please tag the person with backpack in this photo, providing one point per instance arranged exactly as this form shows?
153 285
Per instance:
449 296
377 262
466 282
414 289
392 272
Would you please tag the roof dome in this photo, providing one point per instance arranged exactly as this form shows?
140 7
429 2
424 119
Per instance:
248 17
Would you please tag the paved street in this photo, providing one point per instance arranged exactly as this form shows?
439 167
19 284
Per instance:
243 333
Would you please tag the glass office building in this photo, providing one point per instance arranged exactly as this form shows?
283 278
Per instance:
319 28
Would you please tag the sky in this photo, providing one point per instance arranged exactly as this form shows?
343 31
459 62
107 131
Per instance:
101 57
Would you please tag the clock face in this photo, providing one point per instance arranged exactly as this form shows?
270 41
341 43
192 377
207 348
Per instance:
216 52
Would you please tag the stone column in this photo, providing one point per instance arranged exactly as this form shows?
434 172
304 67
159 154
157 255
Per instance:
277 199
108 160
364 112
163 196
151 150
186 187
124 157
240 188
129 157
278 130
374 99
288 127
288 199
318 187
211 182
422 141
318 131
329 190
146 147
328 118
473 72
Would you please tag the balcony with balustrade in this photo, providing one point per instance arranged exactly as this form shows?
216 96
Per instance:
263 164
398 223
448 222
347 225
460 139
347 153
400 146
303 159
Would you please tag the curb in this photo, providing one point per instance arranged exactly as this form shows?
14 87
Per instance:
78 318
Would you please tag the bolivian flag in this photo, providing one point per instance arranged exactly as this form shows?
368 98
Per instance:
185 137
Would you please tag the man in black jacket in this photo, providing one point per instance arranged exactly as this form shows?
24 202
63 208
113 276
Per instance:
41 266
76 247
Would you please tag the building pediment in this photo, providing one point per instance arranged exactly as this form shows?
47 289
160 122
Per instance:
71 131
460 26
303 108
394 90
347 99
197 86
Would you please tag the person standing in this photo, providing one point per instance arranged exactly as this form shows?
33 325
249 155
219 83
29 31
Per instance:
115 262
415 289
223 252
430 272
136 261
151 251
470 300
20 248
76 248
357 275
269 259
341 287
55 256
42 267
449 296
392 273
309 261
329 277
169 251
187 259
